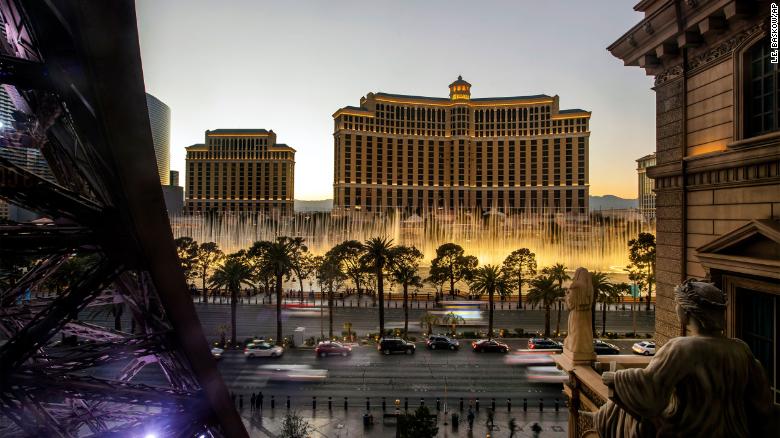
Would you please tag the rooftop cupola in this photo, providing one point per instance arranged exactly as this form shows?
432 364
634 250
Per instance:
460 90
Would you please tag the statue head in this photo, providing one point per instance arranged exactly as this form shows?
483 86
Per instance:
579 296
703 303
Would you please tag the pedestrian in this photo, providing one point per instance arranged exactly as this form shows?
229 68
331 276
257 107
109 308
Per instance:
252 401
513 428
536 429
259 401
470 418
233 396
489 422
241 401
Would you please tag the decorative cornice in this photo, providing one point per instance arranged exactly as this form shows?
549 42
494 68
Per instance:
714 54
669 74
726 48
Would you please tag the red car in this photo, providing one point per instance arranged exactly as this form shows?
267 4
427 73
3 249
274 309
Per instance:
486 345
330 348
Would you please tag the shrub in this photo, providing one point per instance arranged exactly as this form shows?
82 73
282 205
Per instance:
519 331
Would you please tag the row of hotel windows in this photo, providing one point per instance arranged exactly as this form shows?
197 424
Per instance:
487 122
242 206
371 199
497 169
268 178
259 153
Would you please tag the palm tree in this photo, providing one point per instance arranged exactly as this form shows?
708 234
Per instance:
234 273
404 271
488 280
601 285
427 321
452 320
377 257
278 258
558 273
544 291
611 296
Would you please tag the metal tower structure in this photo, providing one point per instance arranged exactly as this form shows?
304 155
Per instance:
73 71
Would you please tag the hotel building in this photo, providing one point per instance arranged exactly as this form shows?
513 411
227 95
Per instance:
240 170
417 153
646 187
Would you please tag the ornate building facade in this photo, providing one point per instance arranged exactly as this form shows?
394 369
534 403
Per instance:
646 187
427 153
717 175
240 170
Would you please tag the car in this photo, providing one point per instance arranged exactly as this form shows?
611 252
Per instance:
489 345
546 374
216 352
439 342
395 345
601 347
544 344
645 348
291 373
330 348
262 349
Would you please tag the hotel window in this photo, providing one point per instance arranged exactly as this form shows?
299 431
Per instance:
545 162
557 162
761 91
581 161
533 163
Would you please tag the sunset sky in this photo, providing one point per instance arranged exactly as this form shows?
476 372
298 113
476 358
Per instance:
289 65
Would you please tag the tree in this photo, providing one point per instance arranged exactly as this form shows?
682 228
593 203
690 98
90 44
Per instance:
187 250
276 257
488 280
616 291
427 321
234 273
452 320
294 426
418 425
544 291
404 272
330 277
377 256
349 253
451 262
519 267
601 286
300 258
207 256
641 254
558 273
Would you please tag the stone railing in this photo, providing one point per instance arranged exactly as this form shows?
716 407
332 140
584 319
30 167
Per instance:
586 391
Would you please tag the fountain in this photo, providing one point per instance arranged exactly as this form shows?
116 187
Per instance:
597 241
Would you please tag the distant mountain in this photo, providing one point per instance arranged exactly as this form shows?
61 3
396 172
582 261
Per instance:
606 202
322 205
611 202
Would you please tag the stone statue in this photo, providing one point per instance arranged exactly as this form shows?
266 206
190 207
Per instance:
700 385
578 345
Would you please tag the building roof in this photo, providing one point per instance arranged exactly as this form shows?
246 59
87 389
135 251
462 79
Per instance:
646 157
195 146
460 81
283 146
447 99
238 131
572 111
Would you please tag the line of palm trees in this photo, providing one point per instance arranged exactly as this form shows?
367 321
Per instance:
269 263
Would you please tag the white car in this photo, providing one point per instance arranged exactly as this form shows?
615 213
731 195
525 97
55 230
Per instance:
217 352
262 349
546 374
645 348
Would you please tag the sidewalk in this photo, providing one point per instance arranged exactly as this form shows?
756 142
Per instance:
339 423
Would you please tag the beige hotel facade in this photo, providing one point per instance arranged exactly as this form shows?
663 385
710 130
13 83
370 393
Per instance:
417 154
240 170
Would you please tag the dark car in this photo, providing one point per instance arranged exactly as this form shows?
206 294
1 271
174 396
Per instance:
395 345
601 347
438 342
544 344
329 348
489 345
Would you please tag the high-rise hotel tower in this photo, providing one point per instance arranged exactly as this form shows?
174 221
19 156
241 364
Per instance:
520 154
240 170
